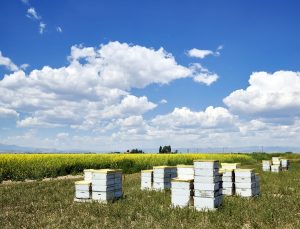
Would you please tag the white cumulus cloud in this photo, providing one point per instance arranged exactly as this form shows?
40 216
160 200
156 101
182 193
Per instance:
269 94
93 89
217 117
6 62
6 112
203 75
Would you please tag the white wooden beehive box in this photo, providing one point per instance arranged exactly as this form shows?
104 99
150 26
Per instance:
206 172
243 173
103 196
83 189
206 164
88 174
185 171
207 187
202 203
207 179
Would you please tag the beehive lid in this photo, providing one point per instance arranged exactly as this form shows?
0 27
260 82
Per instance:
198 160
107 171
83 182
276 158
185 166
147 171
223 170
236 165
164 167
266 161
182 180
88 170
243 170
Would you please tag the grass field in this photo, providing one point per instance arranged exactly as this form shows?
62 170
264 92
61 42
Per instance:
50 205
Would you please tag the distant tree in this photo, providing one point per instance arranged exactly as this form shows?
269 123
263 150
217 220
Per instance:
165 149
160 149
135 151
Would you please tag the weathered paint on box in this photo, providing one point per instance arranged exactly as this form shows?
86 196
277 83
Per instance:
206 179
207 194
207 164
82 194
202 203
103 195
180 200
245 185
83 185
206 172
207 187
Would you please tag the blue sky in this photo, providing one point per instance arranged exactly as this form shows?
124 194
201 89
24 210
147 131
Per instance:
190 99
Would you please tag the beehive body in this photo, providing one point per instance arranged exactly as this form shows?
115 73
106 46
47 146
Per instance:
146 179
99 185
266 165
275 168
162 176
83 190
88 174
246 183
106 185
181 192
207 185
228 179
285 164
185 171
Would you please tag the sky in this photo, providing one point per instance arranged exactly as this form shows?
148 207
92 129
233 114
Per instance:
116 75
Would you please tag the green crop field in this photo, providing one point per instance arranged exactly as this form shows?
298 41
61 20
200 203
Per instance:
49 204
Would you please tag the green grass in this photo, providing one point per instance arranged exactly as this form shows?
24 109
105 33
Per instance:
50 205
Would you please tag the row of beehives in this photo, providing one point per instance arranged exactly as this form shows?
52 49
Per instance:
276 165
202 184
99 185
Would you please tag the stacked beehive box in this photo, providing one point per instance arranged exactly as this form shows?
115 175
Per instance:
207 185
146 179
228 185
246 183
228 178
285 164
276 165
162 176
181 192
83 191
106 184
266 165
185 172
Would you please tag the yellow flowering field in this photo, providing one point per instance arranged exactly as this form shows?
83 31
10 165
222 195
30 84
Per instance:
38 166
